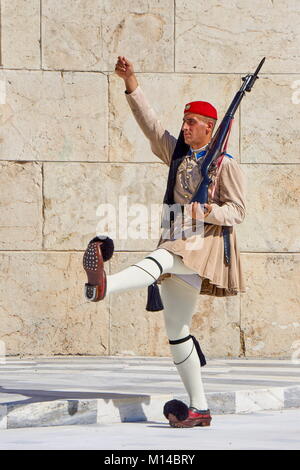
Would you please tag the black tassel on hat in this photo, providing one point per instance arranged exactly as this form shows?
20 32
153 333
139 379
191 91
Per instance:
154 302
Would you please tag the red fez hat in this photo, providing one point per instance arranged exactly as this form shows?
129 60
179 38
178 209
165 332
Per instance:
201 107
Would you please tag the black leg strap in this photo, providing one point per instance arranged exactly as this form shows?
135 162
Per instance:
183 340
178 341
157 262
197 346
153 259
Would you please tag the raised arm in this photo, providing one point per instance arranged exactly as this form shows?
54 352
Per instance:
124 69
161 141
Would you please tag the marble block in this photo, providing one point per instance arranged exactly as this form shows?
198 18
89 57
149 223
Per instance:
90 35
20 34
292 397
133 409
43 309
269 121
270 314
21 206
250 401
221 402
271 223
121 200
52 413
233 36
53 116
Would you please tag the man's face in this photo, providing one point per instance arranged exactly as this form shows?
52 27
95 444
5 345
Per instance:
196 131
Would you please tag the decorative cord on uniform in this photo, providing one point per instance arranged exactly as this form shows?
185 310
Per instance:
144 270
178 363
153 259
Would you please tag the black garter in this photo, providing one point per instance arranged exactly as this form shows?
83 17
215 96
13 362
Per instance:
157 262
195 344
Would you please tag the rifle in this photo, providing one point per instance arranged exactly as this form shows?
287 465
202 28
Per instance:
215 147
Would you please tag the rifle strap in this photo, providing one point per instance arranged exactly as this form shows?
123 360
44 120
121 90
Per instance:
227 137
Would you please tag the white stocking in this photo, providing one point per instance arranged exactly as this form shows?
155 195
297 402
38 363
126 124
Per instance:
180 300
146 271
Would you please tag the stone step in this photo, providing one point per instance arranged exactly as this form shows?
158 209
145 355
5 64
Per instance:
46 410
88 390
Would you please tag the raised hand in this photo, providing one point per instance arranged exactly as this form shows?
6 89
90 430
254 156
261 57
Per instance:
124 68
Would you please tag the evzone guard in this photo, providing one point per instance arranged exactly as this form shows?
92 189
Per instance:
210 185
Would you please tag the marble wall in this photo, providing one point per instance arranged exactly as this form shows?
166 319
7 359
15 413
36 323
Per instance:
69 144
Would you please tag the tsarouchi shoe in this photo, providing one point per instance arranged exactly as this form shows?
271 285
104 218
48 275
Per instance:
195 418
99 250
